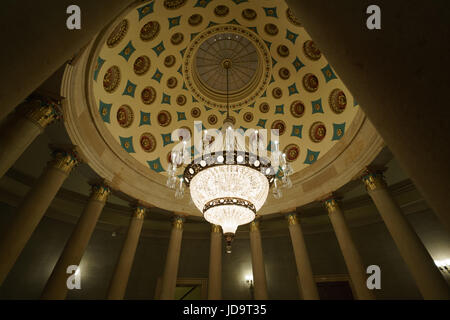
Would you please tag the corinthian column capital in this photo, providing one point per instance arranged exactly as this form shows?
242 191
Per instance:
331 204
178 222
100 192
64 160
292 218
139 212
42 110
373 180
216 228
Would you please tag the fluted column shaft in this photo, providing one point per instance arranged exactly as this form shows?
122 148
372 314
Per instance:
20 131
119 280
259 271
421 265
169 280
56 287
215 264
305 274
351 255
32 209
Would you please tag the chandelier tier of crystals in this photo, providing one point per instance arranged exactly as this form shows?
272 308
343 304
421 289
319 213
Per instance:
228 184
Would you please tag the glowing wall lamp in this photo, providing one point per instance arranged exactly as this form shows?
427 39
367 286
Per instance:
443 265
249 282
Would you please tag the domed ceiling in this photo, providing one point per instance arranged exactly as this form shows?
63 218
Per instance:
160 68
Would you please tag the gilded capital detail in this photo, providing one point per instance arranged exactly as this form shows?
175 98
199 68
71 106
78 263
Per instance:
43 111
254 225
216 228
139 213
64 161
374 181
292 219
331 204
178 222
100 192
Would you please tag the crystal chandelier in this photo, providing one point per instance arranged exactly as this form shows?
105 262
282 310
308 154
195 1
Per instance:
228 184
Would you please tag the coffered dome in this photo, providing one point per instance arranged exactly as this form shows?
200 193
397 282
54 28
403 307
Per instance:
160 67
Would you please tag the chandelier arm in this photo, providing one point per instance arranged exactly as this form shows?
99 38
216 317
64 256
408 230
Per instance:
248 160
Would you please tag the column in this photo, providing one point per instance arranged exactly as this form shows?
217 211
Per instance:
427 276
21 130
305 274
119 280
352 258
56 287
169 280
259 271
33 208
418 137
215 264
32 57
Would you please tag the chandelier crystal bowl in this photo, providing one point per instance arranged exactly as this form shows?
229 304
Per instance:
230 189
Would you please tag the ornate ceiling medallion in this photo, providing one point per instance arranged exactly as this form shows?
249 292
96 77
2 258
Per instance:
282 50
311 50
148 142
292 152
150 30
249 71
310 82
317 131
280 126
118 34
337 101
174 4
271 29
164 118
141 65
196 112
172 82
169 61
284 73
264 107
248 117
249 14
277 93
181 100
195 20
221 11
111 79
297 109
125 116
212 119
292 18
148 95
177 38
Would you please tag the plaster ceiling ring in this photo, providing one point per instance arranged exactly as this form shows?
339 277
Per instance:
202 57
